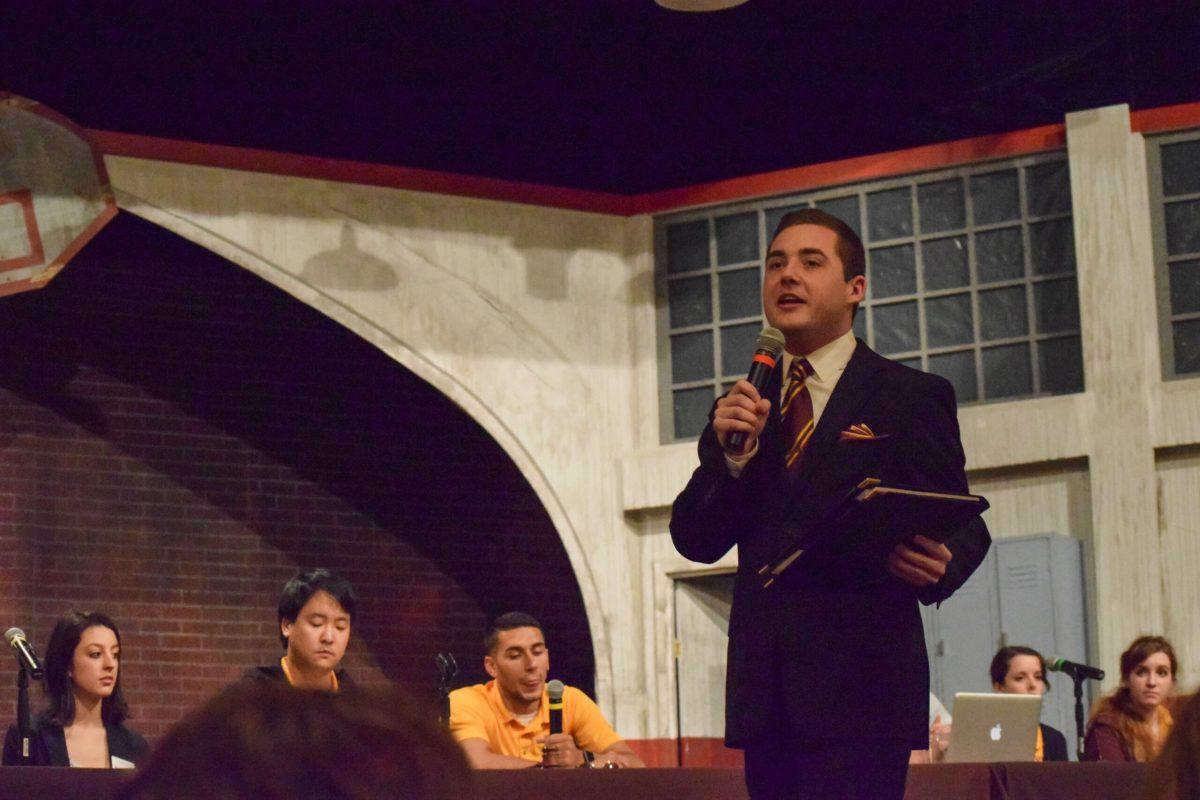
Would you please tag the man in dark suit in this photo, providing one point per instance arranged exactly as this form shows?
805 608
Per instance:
828 679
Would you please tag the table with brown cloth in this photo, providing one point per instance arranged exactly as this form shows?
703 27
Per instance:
925 782
1061 780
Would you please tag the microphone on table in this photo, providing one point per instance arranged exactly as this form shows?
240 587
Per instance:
766 354
554 689
1080 672
23 650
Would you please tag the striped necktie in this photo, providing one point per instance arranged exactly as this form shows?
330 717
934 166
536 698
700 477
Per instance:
797 413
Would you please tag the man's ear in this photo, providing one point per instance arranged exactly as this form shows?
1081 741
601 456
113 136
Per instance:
489 664
285 627
856 288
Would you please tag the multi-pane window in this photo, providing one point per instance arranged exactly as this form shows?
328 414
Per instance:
970 275
1176 183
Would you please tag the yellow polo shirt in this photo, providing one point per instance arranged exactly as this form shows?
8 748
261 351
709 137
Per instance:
478 712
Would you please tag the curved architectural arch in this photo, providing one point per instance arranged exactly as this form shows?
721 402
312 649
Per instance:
488 323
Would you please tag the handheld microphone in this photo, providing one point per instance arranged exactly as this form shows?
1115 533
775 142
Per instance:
766 354
554 689
23 650
1080 672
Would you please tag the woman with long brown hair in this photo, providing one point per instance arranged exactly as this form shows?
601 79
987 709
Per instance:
1133 722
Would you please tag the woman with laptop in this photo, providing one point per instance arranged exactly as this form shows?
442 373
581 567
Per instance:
1014 670
1022 670
1133 722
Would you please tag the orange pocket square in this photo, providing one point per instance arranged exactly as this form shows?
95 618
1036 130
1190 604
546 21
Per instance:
860 433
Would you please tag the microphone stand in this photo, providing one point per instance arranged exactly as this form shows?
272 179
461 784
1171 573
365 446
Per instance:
447 668
1079 729
24 725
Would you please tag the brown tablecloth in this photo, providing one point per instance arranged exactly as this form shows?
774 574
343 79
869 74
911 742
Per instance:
1060 780
925 782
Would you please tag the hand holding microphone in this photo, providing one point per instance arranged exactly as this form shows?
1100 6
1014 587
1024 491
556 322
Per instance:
741 414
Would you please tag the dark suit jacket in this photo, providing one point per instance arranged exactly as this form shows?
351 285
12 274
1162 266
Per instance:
48 746
830 651
1054 744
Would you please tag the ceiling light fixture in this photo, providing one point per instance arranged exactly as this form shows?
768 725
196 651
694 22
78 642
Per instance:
699 5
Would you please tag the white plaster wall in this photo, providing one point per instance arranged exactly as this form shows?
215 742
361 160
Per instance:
1178 546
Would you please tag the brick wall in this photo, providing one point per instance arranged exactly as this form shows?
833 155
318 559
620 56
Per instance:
178 437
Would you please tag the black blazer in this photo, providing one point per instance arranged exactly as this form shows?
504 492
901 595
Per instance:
1054 744
829 651
48 745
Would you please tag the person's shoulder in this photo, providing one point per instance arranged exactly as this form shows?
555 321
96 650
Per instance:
578 697
473 698
273 672
902 378
1055 743
128 743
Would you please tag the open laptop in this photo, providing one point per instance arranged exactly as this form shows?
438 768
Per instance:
994 727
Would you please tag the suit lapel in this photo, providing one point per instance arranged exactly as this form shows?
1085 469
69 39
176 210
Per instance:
852 391
56 745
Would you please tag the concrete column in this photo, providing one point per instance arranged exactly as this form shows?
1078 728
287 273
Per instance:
1115 253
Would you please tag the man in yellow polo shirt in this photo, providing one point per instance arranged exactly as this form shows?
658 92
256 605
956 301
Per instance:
505 723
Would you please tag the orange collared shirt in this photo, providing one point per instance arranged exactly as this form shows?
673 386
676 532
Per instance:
287 673
478 712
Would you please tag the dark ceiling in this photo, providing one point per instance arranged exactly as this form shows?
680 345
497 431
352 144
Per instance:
616 95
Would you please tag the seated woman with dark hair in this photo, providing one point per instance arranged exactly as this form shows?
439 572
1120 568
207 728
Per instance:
1022 670
84 724
1132 723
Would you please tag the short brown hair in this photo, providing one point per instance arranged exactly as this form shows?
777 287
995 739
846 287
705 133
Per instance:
849 247
268 741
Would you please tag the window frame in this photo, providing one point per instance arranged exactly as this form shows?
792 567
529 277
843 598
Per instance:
763 206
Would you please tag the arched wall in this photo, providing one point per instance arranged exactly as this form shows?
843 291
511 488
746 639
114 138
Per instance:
528 318
177 437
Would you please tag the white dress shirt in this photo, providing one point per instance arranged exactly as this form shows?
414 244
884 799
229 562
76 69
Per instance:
828 362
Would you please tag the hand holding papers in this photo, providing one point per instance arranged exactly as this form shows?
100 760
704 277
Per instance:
873 518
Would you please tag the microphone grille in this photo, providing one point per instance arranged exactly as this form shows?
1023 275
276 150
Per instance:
1055 664
771 340
12 634
555 690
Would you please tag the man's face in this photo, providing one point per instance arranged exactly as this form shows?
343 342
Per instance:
318 637
519 663
805 292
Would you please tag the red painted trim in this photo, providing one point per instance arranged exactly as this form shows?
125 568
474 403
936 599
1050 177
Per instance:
1167 118
833 173
698 751
853 170
36 254
109 211
656 752
333 169
850 170
709 751
16 287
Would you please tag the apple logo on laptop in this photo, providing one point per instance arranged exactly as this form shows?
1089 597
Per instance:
996 732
